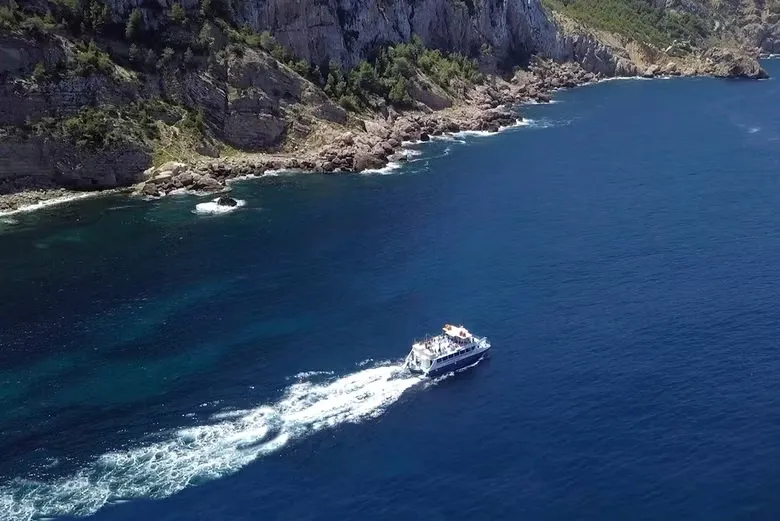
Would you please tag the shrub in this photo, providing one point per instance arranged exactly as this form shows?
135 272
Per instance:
178 14
189 58
151 59
349 102
92 129
95 15
35 27
166 58
91 60
40 74
133 27
399 93
135 54
8 18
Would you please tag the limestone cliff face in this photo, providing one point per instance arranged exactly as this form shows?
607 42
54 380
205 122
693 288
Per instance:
349 30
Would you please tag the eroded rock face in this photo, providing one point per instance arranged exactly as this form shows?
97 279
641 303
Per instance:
348 30
38 163
733 63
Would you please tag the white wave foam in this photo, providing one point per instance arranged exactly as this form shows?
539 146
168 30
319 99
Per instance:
520 122
49 202
191 456
9 221
389 168
473 133
447 137
267 173
533 101
212 208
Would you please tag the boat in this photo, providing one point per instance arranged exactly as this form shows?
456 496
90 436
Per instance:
456 347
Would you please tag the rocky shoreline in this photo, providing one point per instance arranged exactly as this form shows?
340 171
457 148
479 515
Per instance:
374 143
370 143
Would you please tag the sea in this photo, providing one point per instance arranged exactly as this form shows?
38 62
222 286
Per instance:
620 249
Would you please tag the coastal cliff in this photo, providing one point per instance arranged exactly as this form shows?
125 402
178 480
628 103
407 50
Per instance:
94 93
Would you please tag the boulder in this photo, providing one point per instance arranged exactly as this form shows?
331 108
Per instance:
367 161
185 178
150 190
651 71
161 178
625 67
205 183
174 167
377 129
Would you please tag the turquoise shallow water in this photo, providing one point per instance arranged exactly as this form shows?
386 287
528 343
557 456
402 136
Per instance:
619 251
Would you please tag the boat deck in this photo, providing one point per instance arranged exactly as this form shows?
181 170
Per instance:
437 346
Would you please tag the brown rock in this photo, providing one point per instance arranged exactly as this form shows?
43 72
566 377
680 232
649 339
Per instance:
185 178
150 190
366 161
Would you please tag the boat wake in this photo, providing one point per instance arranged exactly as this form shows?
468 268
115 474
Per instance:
191 456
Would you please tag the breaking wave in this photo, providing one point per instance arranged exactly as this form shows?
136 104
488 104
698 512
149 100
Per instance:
212 208
49 202
389 168
194 455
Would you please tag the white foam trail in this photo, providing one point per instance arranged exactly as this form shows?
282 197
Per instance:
308 374
191 456
212 208
49 202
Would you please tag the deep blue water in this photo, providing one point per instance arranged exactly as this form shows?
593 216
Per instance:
622 253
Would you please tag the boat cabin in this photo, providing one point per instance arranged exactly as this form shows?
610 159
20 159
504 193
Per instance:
457 333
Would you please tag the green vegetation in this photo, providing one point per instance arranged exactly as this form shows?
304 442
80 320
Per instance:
133 27
217 9
390 74
102 128
40 74
91 60
636 19
178 14
12 18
